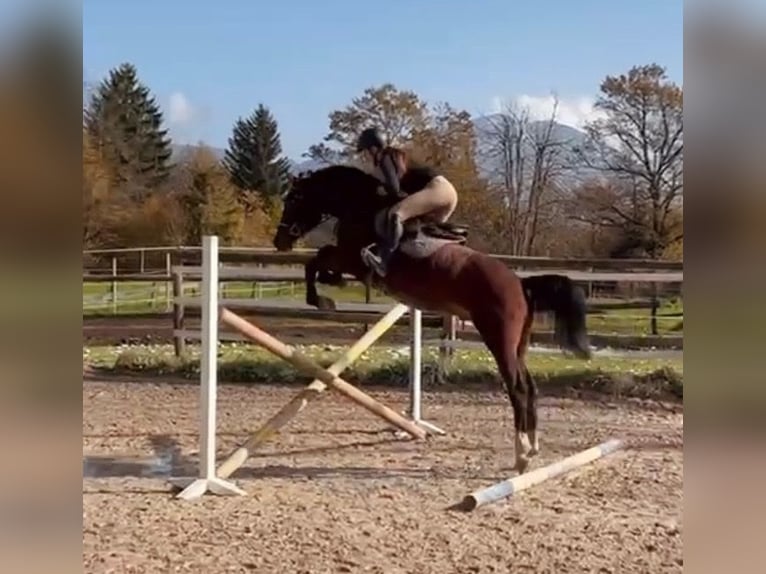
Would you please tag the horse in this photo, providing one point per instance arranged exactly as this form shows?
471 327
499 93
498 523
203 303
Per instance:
434 270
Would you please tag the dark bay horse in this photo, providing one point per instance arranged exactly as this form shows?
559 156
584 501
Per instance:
436 274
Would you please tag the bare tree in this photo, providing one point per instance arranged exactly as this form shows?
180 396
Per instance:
528 159
638 144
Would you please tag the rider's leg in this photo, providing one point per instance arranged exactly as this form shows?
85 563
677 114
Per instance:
438 199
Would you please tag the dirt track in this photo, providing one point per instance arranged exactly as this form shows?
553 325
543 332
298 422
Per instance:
336 492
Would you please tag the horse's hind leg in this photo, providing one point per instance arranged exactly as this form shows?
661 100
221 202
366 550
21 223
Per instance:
501 336
534 433
530 385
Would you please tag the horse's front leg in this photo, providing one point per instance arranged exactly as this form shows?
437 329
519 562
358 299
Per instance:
319 268
331 278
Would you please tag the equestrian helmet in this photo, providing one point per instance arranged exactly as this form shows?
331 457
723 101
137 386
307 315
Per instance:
369 138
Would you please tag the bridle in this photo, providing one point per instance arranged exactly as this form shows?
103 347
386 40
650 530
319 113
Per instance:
293 230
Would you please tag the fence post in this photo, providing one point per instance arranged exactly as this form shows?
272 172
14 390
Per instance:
179 343
655 306
446 351
168 286
114 285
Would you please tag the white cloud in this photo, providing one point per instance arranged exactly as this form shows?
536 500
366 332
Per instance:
180 109
575 112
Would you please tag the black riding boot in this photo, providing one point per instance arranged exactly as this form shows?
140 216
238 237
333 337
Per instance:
393 234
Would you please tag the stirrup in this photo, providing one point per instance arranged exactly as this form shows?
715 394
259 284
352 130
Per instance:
372 260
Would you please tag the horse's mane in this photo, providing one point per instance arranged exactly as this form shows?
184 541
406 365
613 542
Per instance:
337 170
342 188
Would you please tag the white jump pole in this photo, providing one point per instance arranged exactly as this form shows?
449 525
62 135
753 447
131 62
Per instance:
416 368
207 480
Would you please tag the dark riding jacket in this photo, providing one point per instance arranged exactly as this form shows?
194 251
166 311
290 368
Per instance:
413 180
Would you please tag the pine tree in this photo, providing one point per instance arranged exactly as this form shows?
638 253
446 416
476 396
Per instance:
254 157
126 126
209 199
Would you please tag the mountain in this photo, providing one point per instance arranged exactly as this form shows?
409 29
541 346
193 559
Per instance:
488 162
487 129
179 150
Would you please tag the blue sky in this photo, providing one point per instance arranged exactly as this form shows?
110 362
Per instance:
211 62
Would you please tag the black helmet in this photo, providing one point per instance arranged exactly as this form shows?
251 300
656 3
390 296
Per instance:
369 138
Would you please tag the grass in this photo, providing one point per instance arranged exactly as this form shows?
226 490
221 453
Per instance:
380 366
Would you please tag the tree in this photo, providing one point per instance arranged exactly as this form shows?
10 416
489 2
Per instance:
438 134
254 158
209 199
125 125
95 194
528 159
638 144
448 142
399 114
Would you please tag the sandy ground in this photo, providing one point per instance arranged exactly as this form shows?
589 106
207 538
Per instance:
337 492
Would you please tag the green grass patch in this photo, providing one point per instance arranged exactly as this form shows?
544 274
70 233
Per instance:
389 366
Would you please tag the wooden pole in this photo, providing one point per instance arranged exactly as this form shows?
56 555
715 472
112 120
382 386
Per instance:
325 376
311 392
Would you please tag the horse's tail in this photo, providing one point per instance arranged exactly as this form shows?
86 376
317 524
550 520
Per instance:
559 294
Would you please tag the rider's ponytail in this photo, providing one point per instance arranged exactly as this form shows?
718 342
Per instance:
400 158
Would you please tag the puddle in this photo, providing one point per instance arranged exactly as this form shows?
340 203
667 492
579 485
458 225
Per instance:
100 466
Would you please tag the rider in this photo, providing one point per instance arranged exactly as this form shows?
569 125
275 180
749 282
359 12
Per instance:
421 190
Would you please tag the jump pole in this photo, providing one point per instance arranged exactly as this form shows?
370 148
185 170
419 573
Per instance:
302 362
194 487
237 458
521 482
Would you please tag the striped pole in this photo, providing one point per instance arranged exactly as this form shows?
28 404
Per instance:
518 483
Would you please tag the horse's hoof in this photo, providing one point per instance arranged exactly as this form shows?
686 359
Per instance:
325 303
522 463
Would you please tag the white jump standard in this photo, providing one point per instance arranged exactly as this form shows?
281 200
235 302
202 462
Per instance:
416 351
513 485
207 481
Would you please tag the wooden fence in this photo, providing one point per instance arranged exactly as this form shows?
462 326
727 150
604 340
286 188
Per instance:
263 266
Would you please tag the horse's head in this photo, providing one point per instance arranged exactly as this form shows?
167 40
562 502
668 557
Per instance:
300 213
335 191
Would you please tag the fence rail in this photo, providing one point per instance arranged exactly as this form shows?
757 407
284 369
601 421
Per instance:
267 267
189 255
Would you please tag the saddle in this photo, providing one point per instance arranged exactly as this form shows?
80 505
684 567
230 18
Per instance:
421 238
446 230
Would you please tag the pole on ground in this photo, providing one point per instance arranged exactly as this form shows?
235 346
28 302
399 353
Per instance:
237 458
513 485
207 479
416 368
